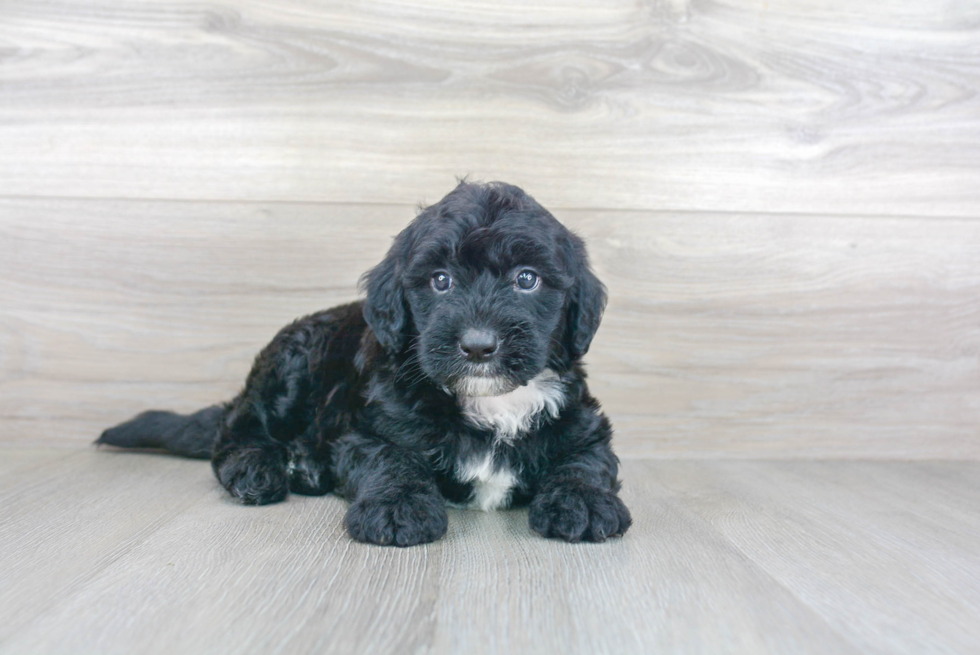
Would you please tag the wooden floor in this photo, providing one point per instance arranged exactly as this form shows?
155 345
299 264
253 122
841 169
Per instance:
108 552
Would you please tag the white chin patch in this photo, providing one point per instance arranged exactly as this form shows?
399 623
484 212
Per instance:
473 385
513 412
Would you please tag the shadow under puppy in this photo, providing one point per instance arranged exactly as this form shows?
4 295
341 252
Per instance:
457 380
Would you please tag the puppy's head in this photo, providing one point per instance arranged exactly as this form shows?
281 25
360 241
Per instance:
484 290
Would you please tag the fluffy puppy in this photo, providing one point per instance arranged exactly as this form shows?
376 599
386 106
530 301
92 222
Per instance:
458 380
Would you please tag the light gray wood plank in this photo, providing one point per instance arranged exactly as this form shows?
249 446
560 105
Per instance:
736 105
18 463
65 518
225 578
670 586
828 336
725 335
883 553
724 557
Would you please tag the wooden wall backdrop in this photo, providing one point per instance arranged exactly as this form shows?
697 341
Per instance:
783 198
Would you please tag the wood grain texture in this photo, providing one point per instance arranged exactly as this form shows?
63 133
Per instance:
733 557
781 196
726 334
66 518
741 105
845 530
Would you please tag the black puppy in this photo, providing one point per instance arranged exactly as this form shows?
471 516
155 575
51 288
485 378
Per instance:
458 379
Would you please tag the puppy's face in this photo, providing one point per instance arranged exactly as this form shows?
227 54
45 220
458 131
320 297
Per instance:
486 303
483 291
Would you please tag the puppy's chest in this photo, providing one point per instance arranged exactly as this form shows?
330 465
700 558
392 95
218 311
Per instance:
490 483
509 417
513 414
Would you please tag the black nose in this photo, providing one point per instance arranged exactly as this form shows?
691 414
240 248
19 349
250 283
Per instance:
478 345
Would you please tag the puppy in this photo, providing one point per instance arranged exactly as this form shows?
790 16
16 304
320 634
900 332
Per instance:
457 381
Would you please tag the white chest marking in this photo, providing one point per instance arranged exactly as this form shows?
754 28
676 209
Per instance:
491 487
512 414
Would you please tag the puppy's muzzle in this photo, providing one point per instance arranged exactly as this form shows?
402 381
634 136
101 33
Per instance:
478 346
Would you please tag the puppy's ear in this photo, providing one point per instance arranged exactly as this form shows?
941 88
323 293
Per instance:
586 301
384 308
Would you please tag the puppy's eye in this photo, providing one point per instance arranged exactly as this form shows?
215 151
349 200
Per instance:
441 281
527 280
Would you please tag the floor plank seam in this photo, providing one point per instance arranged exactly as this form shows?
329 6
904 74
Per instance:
413 206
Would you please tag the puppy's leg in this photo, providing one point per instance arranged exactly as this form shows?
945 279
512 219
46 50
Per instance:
577 501
309 467
261 452
249 463
393 493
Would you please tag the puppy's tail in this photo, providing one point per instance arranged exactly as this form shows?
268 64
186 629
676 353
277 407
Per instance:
188 435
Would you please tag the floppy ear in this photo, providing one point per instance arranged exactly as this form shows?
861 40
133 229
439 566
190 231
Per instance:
586 302
384 308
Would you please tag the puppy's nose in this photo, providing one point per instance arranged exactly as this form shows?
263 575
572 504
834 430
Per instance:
478 345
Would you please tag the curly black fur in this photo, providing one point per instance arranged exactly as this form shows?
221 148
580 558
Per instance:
370 399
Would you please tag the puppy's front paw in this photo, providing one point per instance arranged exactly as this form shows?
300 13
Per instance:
576 512
255 476
398 521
